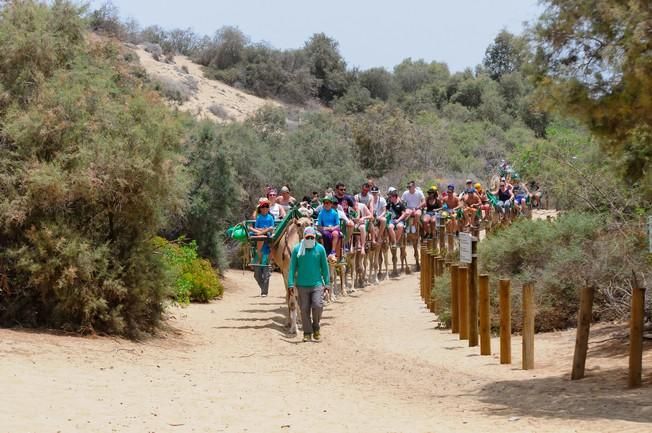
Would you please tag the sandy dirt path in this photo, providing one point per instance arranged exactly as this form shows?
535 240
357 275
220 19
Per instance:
382 367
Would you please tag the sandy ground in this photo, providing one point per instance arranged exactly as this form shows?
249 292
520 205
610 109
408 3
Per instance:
235 104
382 366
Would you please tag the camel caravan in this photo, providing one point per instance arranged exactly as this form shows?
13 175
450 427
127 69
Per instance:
360 231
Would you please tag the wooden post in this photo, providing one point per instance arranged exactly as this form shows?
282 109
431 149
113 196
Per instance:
485 318
636 337
583 328
428 283
505 322
423 274
463 300
440 266
528 326
451 240
473 295
455 321
441 231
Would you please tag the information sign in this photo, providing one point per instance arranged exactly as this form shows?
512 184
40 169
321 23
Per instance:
465 247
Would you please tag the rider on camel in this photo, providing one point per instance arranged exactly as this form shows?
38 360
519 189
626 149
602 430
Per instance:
328 223
414 201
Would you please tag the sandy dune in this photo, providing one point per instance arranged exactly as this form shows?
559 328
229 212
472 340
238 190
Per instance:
232 103
382 367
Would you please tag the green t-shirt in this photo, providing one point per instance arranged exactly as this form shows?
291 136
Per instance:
310 270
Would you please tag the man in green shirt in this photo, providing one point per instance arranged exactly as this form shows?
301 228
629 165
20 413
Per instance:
309 273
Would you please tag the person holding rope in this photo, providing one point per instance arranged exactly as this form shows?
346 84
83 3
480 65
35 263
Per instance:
263 226
309 273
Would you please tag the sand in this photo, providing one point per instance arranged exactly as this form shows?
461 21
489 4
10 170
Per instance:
382 366
234 105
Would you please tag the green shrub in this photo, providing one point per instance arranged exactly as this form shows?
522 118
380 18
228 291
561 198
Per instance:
194 278
576 250
441 295
89 171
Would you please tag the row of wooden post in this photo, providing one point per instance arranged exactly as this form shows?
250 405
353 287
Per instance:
470 306
470 303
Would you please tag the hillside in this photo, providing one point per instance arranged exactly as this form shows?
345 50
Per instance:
206 99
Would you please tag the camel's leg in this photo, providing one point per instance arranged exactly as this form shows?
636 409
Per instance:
341 269
394 261
415 245
293 307
359 274
404 265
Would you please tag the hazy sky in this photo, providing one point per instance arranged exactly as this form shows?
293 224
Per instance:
370 32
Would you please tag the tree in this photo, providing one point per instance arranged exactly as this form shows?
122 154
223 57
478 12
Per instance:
594 61
106 19
505 55
378 81
327 66
225 50
214 192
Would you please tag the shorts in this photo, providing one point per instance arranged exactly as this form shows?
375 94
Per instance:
519 199
396 223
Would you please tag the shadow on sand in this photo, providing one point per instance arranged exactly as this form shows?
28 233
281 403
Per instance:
600 395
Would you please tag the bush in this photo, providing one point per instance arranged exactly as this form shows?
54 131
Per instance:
219 111
89 171
194 278
155 50
175 90
441 295
577 250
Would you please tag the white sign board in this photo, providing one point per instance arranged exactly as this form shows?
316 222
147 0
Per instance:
465 247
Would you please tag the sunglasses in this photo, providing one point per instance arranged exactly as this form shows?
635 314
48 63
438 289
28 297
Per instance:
341 189
309 237
264 206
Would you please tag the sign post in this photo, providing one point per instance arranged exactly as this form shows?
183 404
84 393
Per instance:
466 255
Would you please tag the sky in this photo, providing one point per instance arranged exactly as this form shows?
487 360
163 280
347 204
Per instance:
370 32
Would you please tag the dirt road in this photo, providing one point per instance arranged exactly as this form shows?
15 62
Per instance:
382 367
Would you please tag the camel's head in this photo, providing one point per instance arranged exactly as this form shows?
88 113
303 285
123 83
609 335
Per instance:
302 223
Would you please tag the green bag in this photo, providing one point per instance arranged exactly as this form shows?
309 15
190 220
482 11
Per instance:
238 232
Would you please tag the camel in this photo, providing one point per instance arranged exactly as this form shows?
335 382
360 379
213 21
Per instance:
412 236
281 253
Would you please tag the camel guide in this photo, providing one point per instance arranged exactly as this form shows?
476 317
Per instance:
310 274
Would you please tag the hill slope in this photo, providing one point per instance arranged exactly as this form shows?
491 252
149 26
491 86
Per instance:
206 99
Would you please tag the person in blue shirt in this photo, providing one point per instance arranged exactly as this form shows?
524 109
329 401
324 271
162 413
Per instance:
310 275
328 223
263 226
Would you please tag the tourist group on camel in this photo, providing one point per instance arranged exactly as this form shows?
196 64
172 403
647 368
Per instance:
337 241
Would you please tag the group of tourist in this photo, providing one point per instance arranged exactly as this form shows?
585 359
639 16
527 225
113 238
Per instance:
371 215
